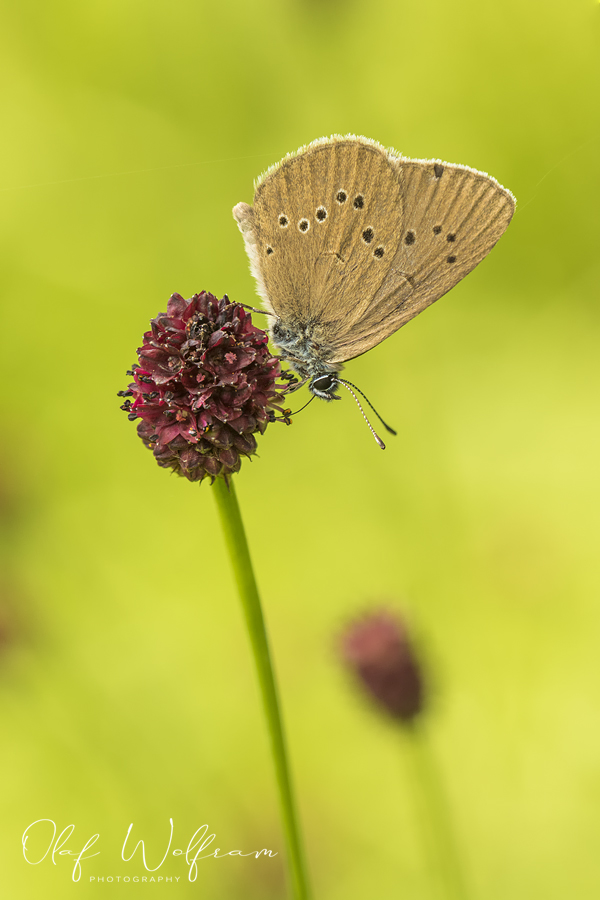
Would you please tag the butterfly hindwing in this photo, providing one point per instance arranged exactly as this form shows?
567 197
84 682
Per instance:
453 217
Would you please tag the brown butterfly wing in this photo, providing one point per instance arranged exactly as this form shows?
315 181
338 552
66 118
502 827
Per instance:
305 231
358 240
454 216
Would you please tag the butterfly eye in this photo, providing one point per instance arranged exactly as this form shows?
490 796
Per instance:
324 384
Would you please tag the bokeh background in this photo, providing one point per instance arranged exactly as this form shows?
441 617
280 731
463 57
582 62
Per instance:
127 693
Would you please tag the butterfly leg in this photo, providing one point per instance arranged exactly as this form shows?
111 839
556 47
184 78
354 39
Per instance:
264 312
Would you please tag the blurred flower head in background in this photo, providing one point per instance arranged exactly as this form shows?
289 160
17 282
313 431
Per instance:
204 386
377 648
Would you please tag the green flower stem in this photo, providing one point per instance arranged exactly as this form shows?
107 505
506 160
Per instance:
434 814
235 538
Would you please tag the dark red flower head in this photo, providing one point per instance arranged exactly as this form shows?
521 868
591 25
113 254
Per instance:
377 648
204 386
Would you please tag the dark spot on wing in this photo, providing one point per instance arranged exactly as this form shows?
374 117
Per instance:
439 170
368 235
451 259
410 237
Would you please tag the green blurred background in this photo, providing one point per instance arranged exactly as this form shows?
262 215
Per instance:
127 693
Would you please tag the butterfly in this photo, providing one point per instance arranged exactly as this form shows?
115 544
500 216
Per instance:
348 241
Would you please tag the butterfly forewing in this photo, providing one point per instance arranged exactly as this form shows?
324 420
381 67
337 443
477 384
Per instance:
319 220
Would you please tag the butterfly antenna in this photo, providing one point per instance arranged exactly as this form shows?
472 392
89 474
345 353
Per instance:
373 432
385 425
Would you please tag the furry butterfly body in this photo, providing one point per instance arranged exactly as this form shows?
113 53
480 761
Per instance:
348 241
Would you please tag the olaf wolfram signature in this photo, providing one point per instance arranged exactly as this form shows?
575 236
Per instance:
41 841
